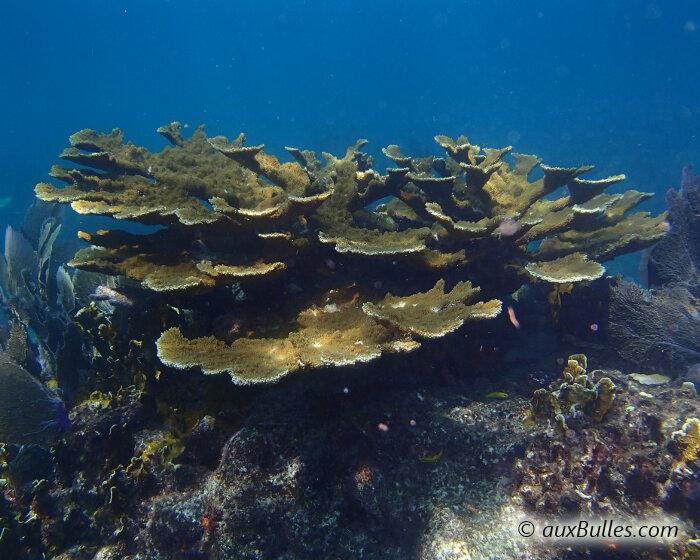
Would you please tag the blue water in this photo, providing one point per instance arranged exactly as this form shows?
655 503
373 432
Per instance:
610 83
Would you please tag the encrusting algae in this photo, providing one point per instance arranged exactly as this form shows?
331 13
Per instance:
320 252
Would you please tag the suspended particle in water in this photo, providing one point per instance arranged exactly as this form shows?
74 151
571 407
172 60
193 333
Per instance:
513 136
508 227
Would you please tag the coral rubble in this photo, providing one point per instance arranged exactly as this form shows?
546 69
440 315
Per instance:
319 253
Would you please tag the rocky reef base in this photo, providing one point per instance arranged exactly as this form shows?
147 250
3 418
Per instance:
361 466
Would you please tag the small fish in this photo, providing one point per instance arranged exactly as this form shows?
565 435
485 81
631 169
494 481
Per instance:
105 293
4 201
497 395
29 412
513 319
431 458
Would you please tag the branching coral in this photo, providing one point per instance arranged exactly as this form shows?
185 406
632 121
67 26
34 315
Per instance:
320 246
336 334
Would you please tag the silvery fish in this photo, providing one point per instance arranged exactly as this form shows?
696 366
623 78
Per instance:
29 412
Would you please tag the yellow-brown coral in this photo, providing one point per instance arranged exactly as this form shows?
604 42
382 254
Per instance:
687 440
287 233
579 393
432 314
336 334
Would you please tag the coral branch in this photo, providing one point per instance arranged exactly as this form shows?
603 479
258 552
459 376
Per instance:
288 233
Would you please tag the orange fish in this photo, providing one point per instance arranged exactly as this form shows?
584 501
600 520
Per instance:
513 318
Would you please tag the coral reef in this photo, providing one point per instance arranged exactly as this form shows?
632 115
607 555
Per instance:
311 259
332 335
640 459
259 268
639 462
373 464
